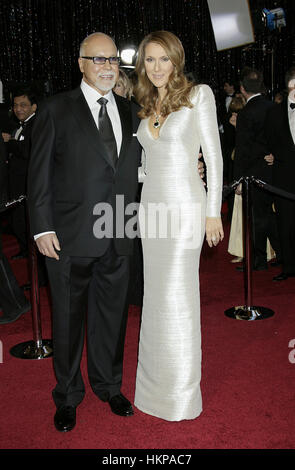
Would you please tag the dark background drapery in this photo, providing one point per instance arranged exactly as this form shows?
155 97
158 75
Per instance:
40 38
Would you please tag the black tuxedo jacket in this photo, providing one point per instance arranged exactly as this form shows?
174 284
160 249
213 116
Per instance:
70 173
7 123
251 145
281 145
3 174
229 131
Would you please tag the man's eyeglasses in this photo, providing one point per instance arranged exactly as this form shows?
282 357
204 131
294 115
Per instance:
102 60
21 105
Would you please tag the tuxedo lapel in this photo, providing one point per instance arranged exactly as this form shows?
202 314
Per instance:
285 117
123 106
83 116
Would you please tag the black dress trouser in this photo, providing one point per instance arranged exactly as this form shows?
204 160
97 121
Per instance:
264 227
98 287
285 211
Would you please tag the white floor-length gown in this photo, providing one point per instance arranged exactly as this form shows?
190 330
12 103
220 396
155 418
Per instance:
169 363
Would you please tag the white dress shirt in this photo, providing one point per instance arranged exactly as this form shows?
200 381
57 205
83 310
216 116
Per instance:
91 96
291 117
253 96
228 101
19 130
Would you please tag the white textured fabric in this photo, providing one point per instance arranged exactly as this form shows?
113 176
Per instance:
169 363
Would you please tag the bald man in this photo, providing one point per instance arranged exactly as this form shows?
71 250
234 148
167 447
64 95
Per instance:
85 155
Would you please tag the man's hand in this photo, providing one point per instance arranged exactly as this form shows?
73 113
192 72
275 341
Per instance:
238 190
201 168
269 159
47 244
6 137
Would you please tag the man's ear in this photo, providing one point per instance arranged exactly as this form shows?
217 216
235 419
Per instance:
80 62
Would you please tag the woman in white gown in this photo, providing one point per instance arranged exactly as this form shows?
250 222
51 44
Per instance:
177 119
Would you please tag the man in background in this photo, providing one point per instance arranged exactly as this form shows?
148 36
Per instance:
280 133
250 160
227 137
19 148
13 302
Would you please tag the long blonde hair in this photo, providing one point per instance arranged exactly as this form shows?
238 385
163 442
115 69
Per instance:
178 87
125 83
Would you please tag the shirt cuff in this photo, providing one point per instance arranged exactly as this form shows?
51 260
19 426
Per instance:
41 234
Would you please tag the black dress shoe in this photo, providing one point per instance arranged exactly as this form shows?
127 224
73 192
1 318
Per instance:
260 267
13 316
20 255
240 268
283 276
65 418
28 285
275 264
256 268
121 406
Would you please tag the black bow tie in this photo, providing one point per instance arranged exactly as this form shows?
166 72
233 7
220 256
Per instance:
292 105
23 123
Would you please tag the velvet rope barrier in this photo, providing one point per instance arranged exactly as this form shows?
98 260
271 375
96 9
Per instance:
248 311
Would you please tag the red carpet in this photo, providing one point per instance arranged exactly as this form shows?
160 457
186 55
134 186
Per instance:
247 384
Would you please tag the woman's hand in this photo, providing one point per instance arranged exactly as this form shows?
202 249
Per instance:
269 159
201 168
238 189
214 231
233 119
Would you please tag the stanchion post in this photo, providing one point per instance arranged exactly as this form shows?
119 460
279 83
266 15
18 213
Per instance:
38 348
248 312
247 238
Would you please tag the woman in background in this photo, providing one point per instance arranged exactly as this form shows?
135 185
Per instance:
123 86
